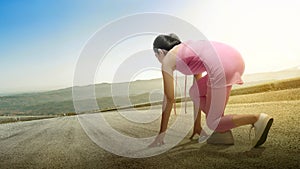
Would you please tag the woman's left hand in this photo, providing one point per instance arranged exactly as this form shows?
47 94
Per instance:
198 131
159 140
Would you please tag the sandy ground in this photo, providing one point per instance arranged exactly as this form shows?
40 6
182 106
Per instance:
62 143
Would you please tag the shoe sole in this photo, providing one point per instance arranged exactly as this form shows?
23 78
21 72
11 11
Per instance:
264 136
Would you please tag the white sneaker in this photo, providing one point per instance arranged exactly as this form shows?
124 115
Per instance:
262 127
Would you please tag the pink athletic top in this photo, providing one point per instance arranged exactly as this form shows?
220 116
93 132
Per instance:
223 64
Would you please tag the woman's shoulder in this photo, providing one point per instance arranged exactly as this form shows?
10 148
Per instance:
191 46
170 59
198 45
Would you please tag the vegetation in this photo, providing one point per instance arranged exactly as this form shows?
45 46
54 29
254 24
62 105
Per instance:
59 102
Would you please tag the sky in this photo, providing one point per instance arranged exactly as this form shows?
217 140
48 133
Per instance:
41 41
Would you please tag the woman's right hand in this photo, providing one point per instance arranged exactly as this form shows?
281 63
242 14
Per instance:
159 140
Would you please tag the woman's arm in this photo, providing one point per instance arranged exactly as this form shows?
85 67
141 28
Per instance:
168 98
168 66
167 106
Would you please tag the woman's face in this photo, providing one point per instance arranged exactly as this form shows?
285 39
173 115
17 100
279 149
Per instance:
160 54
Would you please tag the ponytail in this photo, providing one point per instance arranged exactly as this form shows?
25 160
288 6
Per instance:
166 42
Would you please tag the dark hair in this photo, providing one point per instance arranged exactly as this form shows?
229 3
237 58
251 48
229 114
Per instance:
166 42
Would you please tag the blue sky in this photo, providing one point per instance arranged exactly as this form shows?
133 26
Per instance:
40 40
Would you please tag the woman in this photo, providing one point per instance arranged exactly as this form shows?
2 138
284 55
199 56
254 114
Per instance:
224 67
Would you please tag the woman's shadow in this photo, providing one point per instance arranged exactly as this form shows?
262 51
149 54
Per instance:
215 151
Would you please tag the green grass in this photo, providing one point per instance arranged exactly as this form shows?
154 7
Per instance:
59 102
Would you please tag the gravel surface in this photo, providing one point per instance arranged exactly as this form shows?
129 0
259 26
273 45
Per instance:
62 143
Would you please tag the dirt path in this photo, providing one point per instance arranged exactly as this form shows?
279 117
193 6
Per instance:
62 143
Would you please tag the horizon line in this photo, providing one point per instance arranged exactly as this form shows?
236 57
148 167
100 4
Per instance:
48 89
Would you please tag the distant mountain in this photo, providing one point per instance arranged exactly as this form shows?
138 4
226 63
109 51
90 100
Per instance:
141 91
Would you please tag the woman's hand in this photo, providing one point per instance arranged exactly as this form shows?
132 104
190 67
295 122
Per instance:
159 140
198 131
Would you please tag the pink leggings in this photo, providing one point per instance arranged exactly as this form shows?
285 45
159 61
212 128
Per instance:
202 95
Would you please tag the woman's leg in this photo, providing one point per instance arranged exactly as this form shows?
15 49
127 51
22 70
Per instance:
226 122
200 94
244 119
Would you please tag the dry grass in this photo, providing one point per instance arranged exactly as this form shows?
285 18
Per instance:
10 119
280 95
62 143
273 86
283 90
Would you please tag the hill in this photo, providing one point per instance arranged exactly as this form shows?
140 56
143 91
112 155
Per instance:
58 102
